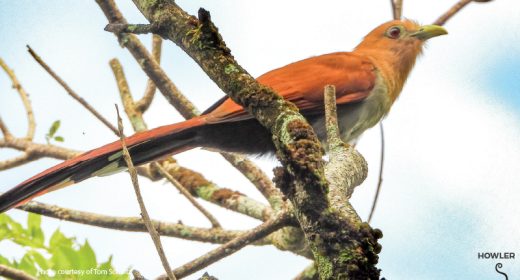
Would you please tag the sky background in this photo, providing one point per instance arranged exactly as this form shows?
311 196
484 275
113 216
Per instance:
452 169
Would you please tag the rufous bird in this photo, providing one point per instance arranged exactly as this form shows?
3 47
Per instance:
368 80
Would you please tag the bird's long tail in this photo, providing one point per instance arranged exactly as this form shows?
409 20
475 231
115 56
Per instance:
143 147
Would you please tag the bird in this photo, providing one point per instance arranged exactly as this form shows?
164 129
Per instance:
368 80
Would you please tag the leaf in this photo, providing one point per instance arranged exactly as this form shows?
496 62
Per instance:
59 240
27 264
87 256
34 222
54 128
39 259
59 139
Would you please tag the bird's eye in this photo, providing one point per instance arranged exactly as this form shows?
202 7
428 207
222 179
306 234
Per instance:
394 32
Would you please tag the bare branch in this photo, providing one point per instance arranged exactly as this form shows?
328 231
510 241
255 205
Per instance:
14 274
5 131
259 179
144 103
188 195
452 11
31 123
134 224
144 213
232 246
381 167
397 8
17 161
135 116
71 92
130 28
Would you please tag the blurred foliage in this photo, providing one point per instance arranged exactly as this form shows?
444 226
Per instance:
61 258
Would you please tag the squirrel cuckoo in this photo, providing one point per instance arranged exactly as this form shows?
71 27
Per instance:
368 80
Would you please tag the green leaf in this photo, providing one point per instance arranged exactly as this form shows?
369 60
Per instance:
5 261
59 240
65 258
34 222
39 259
27 264
54 128
87 256
59 139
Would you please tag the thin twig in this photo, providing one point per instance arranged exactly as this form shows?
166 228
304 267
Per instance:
452 11
137 275
135 116
5 131
14 274
397 8
144 103
381 167
144 213
188 195
232 246
31 123
71 92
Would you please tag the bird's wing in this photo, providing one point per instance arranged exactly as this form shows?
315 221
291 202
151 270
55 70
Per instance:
303 83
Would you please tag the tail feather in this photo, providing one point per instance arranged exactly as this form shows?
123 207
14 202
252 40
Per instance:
143 147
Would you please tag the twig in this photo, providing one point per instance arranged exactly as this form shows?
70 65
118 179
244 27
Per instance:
259 179
381 168
137 275
135 116
144 103
15 274
144 213
452 11
187 194
130 28
5 131
17 161
397 8
71 92
134 224
232 246
31 123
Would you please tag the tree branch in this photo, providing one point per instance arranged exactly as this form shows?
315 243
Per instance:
397 8
14 274
134 224
31 123
71 92
146 100
232 246
144 213
188 195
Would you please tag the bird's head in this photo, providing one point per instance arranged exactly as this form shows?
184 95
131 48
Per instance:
395 45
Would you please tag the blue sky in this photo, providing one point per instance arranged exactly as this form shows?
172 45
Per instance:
451 179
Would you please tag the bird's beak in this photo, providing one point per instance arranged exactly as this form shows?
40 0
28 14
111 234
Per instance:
426 32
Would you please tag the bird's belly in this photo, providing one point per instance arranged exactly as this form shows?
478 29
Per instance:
355 118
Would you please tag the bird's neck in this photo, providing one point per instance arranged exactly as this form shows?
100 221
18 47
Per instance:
395 66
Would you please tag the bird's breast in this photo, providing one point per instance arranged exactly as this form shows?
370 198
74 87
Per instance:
355 118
